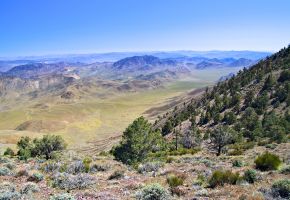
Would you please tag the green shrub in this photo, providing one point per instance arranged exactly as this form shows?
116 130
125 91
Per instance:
267 161
169 159
87 161
236 152
285 170
238 163
201 180
281 188
35 177
29 188
24 154
104 153
271 146
4 171
63 167
149 167
9 152
250 175
182 151
116 175
223 177
166 155
153 192
174 180
239 148
64 196
46 146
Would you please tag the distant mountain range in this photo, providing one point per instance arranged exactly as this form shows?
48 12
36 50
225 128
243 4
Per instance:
7 63
71 79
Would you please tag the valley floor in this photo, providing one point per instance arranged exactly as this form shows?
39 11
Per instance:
89 119
93 118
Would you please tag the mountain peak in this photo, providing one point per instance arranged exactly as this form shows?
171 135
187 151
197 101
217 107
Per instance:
137 61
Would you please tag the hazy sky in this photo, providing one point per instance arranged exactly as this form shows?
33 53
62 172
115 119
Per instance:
38 27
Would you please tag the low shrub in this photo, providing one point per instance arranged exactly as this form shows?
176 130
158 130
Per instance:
21 172
179 191
201 180
149 167
281 188
104 153
9 152
69 181
219 178
116 175
206 162
35 177
8 195
235 152
169 159
10 165
8 191
7 186
238 163
164 155
267 161
285 170
250 176
153 192
29 188
64 196
3 159
271 146
174 180
99 167
239 148
4 171
263 142
182 151
75 167
51 166
86 162
63 167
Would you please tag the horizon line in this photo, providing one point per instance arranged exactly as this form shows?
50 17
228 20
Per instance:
116 52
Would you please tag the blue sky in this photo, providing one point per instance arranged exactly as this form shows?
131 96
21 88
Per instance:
38 27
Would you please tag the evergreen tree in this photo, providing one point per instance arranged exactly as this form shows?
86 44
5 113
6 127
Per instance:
137 141
167 128
220 137
269 83
230 118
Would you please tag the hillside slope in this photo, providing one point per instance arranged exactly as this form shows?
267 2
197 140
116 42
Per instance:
246 102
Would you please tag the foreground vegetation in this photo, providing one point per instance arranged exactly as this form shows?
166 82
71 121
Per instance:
68 175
